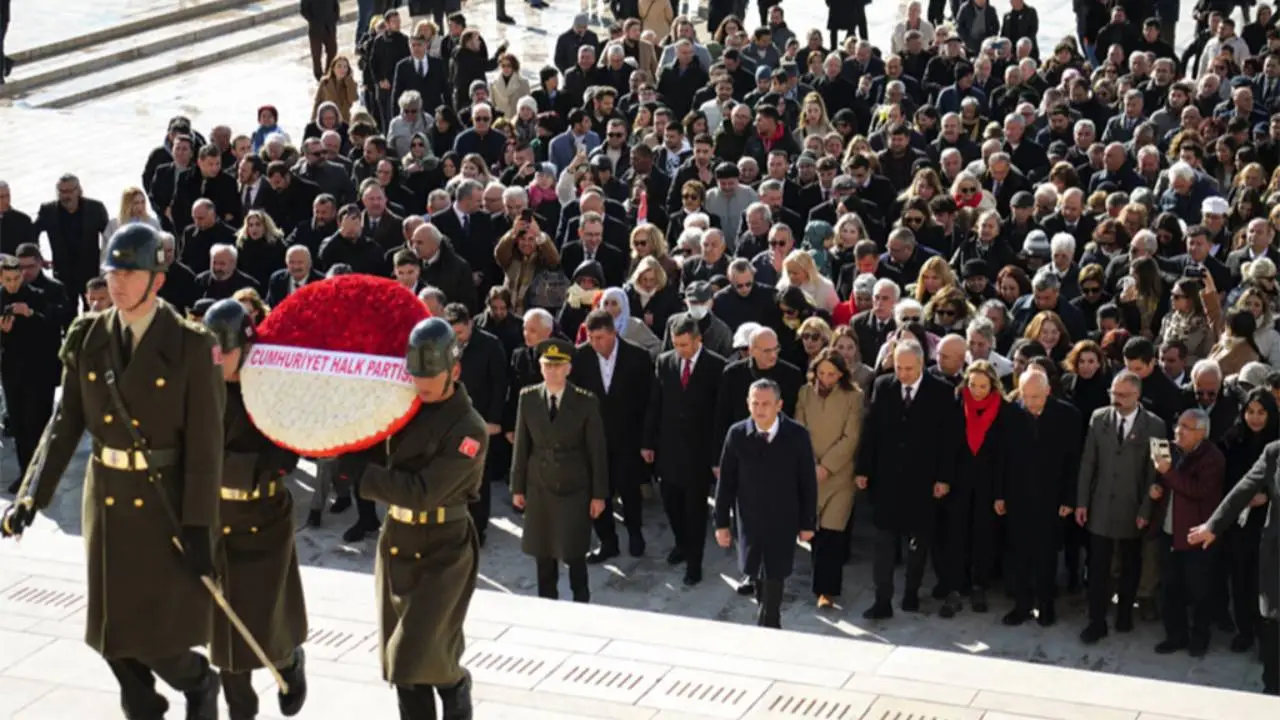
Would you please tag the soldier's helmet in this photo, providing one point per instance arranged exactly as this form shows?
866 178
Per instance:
230 324
135 247
433 348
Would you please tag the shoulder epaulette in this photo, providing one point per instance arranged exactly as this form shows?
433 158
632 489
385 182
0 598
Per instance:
530 388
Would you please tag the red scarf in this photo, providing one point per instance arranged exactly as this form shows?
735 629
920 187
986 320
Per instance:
971 201
771 140
978 416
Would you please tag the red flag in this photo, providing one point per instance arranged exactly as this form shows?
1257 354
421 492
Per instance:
642 215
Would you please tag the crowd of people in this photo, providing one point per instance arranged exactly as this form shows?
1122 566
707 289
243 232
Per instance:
1023 299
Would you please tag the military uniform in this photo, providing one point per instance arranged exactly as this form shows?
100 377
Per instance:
560 464
146 607
428 547
256 557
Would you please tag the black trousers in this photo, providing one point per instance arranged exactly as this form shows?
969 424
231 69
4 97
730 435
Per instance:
366 510
624 483
1269 649
4 30
686 509
886 550
966 554
1240 555
242 700
549 578
829 548
1075 542
769 599
324 38
30 405
1187 584
1100 553
1033 564
185 673
417 702
937 9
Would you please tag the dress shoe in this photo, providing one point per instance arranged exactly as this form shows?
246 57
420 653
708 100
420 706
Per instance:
939 592
340 504
1048 615
482 536
1170 646
1093 633
978 600
675 557
314 518
635 545
202 704
910 602
692 576
746 587
1015 617
1148 610
506 20
602 553
1124 621
357 532
1073 582
824 602
881 610
1199 644
455 702
155 711
296 678
951 605
1241 643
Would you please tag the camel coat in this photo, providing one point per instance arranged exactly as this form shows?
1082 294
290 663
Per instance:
834 424
657 16
507 92
342 93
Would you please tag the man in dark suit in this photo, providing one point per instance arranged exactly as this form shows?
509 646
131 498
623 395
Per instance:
618 373
679 440
1258 235
206 181
442 267
421 72
1071 219
15 225
296 273
769 480
470 233
591 245
1003 181
380 224
57 301
295 199
484 374
906 460
874 326
74 225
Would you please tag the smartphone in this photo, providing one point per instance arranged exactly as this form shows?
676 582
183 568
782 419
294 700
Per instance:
526 214
1160 449
1193 271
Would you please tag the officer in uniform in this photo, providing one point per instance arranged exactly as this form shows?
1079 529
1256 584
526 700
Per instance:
147 386
428 547
256 558
559 471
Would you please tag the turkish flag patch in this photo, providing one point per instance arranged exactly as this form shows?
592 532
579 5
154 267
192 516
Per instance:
217 355
469 447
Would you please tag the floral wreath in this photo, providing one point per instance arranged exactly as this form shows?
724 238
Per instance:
326 374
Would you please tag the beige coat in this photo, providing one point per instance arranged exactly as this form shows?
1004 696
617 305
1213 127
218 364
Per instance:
505 93
656 16
834 424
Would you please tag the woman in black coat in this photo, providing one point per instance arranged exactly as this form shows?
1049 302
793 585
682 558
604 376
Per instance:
849 16
1258 425
444 131
470 63
967 553
1087 386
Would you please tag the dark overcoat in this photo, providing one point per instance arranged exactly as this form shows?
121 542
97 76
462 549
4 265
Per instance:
679 422
257 559
904 451
560 466
772 488
143 601
1264 479
426 573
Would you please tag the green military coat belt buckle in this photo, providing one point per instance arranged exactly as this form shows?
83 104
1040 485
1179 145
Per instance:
262 491
134 460
426 517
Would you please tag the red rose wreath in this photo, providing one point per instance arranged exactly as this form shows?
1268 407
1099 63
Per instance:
326 375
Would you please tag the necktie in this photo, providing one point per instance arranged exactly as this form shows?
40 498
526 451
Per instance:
551 408
685 372
591 255
248 196
466 223
126 345
1120 432
995 188
906 398
422 67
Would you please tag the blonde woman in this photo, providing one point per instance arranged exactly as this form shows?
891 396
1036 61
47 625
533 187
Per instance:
134 208
800 270
648 241
934 275
260 245
830 408
252 303
1048 329
651 294
507 89
815 336
813 118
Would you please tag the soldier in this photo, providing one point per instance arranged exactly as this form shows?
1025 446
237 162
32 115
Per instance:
428 548
559 471
256 559
146 385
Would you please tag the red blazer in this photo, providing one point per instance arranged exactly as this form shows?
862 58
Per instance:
1195 483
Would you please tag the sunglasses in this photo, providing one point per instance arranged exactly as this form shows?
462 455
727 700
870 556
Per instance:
911 319
690 196
1091 289
616 135
968 190
913 219
811 336
641 243
480 118
778 243
744 286
944 312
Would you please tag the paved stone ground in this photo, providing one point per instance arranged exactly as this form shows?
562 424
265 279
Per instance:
41 23
106 142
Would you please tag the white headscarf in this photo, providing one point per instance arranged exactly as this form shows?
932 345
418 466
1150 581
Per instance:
619 296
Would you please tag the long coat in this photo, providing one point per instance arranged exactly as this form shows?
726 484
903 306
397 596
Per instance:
426 574
1115 478
560 466
257 559
904 451
679 421
143 601
622 405
772 487
834 423
1042 477
1263 478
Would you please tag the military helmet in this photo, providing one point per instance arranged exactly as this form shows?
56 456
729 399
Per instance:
230 324
135 247
433 348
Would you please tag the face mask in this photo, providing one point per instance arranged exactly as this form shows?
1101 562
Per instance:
697 312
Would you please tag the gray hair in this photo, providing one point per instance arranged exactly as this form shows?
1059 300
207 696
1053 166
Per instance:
758 207
515 193
865 284
410 99
691 238
1063 243
1045 280
1129 378
298 249
1182 171
770 185
905 347
699 220
219 248
761 333
1033 374
1148 240
1086 125
888 286
467 188
541 316
1206 366
902 235
1198 416
981 325
904 306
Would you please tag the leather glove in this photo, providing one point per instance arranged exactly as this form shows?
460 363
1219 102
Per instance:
197 550
17 518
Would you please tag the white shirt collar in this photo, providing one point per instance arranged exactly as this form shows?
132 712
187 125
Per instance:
772 432
913 387
693 361
558 395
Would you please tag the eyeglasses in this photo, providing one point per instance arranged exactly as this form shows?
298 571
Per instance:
913 219
744 285
640 243
417 144
1091 289
480 118
690 196
778 243
811 336
944 312
968 190
910 318
616 135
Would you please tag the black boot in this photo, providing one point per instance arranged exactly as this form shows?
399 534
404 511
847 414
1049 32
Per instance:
202 704
296 678
456 701
340 504
314 518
